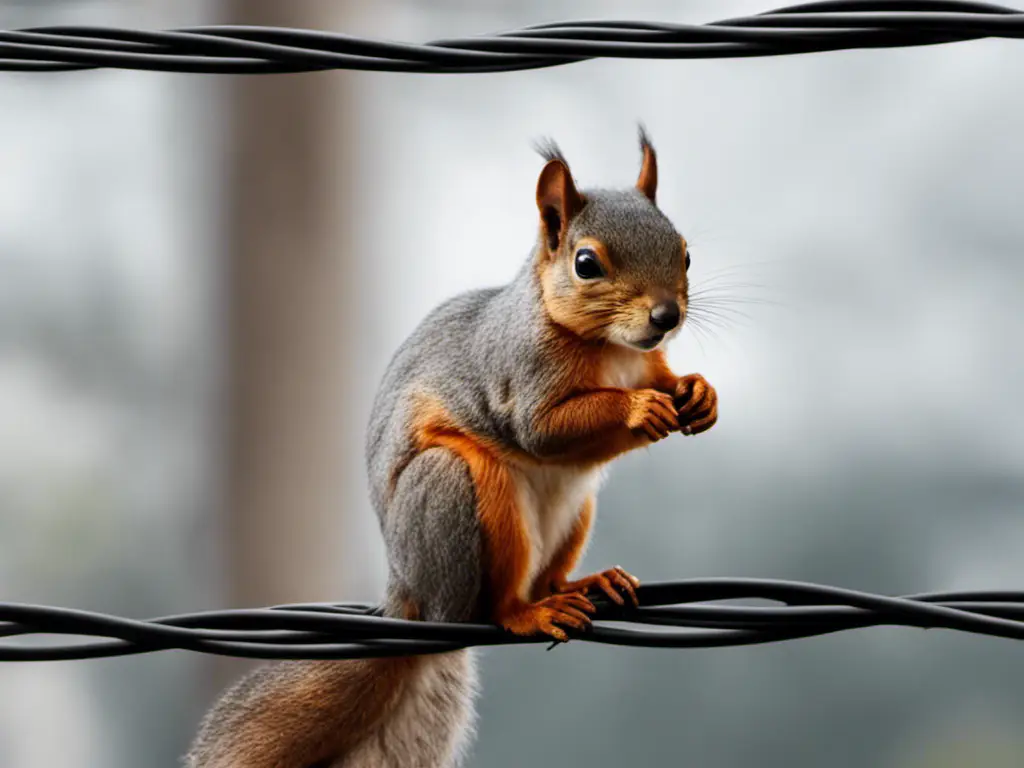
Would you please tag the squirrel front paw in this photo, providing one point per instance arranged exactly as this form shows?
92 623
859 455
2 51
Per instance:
549 615
614 583
653 413
696 404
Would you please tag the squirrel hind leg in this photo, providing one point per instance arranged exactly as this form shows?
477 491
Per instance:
433 537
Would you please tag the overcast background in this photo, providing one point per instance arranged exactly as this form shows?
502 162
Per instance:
862 211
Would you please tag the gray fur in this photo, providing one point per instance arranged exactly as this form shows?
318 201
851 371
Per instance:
640 237
433 723
433 505
481 354
242 702
484 353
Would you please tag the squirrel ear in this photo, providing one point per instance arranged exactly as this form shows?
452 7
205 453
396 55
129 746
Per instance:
648 180
558 201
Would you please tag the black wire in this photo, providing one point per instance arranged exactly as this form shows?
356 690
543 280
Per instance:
805 28
683 614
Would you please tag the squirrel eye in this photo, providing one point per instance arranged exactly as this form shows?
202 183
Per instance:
687 259
586 265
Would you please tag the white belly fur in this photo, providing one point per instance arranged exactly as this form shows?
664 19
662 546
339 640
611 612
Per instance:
550 498
623 368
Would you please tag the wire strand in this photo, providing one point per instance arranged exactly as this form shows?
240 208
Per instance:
806 28
682 614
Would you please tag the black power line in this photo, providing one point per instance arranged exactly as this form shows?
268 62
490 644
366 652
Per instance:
682 614
805 28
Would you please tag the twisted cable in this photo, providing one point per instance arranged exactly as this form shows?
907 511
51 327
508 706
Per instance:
805 28
681 614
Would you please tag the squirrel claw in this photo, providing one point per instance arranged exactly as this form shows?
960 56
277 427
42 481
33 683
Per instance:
696 404
551 616
613 582
652 413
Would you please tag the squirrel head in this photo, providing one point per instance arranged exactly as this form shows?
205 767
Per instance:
611 265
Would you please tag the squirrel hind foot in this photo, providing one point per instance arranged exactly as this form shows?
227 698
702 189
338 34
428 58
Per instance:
615 584
551 616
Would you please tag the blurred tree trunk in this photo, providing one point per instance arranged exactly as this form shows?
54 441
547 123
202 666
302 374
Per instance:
287 152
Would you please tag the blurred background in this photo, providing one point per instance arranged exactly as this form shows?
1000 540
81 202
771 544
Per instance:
203 278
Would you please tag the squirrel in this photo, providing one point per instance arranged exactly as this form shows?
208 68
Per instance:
486 445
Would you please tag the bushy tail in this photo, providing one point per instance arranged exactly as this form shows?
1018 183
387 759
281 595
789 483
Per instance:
409 712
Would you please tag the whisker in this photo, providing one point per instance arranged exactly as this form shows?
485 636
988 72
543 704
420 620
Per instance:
721 306
700 343
722 299
727 289
720 272
699 335
744 264
721 319
720 302
703 330
728 292
718 283
730 307
710 298
720 314
711 325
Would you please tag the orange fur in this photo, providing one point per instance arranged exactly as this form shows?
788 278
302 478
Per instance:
590 427
589 424
505 540
410 610
568 555
585 312
592 423
506 545
660 375
558 201
614 582
590 308
648 179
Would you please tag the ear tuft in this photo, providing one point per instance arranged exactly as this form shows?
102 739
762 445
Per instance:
644 137
648 180
549 150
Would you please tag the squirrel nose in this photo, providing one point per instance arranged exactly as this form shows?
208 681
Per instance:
665 316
